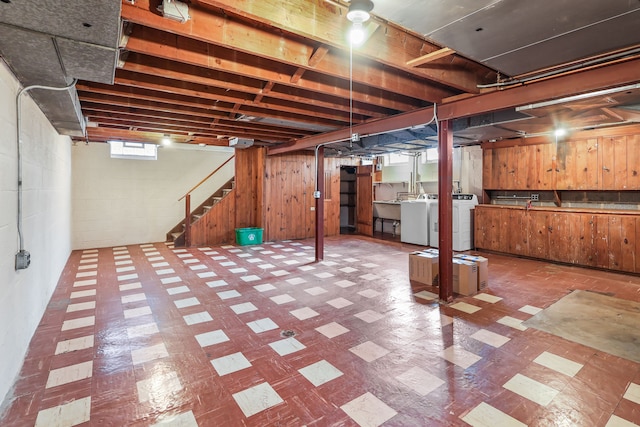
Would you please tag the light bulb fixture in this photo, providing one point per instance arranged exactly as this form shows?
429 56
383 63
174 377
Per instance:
166 140
560 132
358 14
357 34
359 11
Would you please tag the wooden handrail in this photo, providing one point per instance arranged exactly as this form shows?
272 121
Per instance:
207 177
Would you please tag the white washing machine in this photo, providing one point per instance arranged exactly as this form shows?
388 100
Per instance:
462 226
414 220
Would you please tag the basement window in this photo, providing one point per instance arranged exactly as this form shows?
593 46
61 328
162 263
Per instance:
396 159
430 156
133 150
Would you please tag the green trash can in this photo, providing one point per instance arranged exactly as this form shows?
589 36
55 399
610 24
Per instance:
249 236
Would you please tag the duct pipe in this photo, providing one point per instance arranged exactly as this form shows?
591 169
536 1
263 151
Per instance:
567 69
23 258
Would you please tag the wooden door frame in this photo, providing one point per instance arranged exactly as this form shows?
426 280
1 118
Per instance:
364 200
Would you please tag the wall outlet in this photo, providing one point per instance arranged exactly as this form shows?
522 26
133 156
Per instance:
535 197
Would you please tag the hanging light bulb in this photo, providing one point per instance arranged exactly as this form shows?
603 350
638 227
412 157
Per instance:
358 14
357 34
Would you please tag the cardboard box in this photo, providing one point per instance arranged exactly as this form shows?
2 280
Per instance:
483 268
465 277
423 267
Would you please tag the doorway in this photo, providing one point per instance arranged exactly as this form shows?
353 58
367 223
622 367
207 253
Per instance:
348 197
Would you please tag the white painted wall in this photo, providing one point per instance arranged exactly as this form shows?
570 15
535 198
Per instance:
467 169
120 201
25 294
471 170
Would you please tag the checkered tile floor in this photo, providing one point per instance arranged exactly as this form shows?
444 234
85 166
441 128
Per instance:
149 335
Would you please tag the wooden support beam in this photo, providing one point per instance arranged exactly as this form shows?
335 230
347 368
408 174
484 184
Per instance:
317 56
234 111
432 56
327 24
265 90
103 134
445 207
295 78
247 38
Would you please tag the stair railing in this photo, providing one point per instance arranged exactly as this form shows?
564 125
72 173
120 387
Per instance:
187 202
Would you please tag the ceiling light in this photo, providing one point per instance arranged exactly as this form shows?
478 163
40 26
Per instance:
559 133
356 34
166 140
359 11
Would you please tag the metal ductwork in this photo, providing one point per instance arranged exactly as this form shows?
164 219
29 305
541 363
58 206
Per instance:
52 42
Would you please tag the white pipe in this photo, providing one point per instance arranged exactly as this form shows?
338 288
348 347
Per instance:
18 142
562 70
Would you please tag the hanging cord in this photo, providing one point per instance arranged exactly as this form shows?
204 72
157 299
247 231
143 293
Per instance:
435 117
19 153
351 94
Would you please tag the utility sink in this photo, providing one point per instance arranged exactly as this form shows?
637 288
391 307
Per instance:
386 209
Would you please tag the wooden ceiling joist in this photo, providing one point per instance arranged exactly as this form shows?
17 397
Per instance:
429 57
181 50
618 74
128 94
244 38
327 24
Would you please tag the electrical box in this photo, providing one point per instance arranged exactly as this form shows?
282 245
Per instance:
240 142
23 259
175 10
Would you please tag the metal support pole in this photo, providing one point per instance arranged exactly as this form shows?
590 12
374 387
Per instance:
319 197
445 206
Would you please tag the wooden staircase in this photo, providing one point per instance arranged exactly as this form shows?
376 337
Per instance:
177 233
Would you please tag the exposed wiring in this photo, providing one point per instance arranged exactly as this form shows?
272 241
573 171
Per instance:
351 93
19 151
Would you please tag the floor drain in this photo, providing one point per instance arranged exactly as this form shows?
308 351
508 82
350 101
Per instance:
287 333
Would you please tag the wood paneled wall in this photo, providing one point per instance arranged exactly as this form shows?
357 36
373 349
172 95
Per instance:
249 187
275 193
288 188
601 161
218 226
288 195
593 161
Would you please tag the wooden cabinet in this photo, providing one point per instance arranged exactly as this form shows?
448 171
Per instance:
577 165
606 239
590 164
526 167
620 163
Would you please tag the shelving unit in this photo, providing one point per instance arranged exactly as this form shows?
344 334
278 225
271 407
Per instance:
348 197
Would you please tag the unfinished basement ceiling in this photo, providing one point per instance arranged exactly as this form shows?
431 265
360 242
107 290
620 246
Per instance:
52 42
516 37
278 75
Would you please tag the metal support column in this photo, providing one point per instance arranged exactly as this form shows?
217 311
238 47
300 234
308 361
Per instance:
445 205
319 197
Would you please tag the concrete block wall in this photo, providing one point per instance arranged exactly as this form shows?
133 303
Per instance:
122 201
46 158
